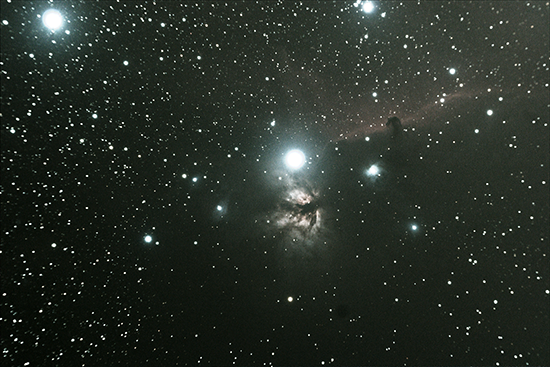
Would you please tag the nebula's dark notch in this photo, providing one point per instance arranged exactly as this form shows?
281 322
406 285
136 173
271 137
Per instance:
395 127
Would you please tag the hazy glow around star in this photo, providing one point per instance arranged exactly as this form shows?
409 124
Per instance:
52 19
295 159
373 170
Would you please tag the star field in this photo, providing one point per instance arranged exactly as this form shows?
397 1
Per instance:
275 183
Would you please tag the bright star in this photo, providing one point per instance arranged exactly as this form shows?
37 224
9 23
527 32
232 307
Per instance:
295 159
373 170
489 112
368 6
290 299
219 207
52 19
414 227
452 71
148 239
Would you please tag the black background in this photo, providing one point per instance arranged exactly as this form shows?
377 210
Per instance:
202 85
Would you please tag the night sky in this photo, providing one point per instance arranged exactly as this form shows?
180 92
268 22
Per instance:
216 183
